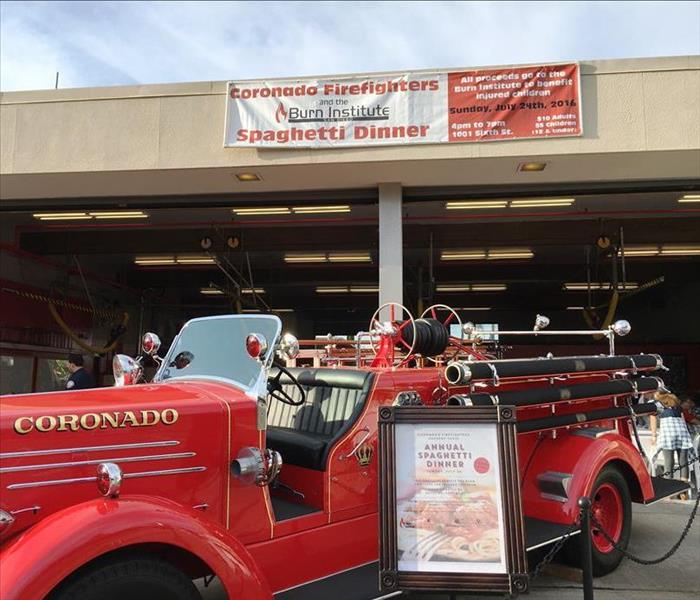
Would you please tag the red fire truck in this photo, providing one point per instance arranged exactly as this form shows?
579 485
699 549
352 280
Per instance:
230 464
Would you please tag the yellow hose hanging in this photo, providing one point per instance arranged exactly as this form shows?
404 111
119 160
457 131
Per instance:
612 308
72 335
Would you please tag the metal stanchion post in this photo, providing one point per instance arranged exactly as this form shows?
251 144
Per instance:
584 504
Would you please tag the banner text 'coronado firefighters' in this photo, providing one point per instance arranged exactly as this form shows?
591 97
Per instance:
419 108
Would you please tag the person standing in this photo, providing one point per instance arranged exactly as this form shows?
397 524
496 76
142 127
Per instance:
79 378
673 433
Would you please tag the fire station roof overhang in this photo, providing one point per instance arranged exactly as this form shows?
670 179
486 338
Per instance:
641 121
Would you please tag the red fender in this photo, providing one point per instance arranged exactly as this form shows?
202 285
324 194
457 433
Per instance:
583 457
33 563
611 447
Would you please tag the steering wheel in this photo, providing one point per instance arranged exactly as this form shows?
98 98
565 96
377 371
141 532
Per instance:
276 391
455 342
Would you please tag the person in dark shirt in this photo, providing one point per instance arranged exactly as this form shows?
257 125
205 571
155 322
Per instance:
79 378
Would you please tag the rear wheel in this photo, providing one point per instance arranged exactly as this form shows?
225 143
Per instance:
611 505
140 578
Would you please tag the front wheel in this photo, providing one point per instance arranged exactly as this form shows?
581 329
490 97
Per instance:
131 578
611 505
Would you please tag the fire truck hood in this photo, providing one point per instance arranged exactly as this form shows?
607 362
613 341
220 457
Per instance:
52 443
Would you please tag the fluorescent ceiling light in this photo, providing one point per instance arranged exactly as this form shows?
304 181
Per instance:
472 287
532 166
490 254
309 210
640 251
349 257
332 289
211 291
680 250
662 250
257 290
154 260
364 289
475 204
65 216
334 257
510 255
98 214
304 258
194 260
261 210
689 198
248 177
182 259
463 255
282 310
488 287
122 214
575 308
535 202
596 285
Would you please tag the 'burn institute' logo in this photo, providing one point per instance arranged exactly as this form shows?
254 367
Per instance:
364 454
281 113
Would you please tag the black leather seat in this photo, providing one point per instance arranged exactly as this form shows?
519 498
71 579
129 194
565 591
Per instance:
305 434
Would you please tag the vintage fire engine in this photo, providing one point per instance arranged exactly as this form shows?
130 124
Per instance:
231 464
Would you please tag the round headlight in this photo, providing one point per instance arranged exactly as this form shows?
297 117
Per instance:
126 370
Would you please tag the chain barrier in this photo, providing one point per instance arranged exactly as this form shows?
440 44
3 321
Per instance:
547 558
674 548
557 546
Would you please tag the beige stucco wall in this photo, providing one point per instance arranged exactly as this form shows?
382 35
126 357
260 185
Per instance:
641 120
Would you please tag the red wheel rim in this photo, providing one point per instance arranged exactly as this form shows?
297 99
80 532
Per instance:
606 507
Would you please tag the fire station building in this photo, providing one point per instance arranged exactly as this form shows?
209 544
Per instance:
135 208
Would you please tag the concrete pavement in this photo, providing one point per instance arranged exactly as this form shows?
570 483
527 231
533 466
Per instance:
654 530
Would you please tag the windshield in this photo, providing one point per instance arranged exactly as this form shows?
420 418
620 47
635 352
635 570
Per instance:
214 347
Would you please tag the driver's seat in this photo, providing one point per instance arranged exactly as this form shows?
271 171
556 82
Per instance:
305 434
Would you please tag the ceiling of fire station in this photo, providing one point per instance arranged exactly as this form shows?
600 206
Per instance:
561 240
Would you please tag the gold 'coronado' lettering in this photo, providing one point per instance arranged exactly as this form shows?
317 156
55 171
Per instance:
66 421
90 421
45 423
19 428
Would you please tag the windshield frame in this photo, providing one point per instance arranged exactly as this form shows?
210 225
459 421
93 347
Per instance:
265 363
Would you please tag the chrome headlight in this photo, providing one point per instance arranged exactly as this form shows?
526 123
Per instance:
126 370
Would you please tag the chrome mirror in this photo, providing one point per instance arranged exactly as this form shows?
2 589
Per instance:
126 370
288 346
469 329
150 343
621 327
541 322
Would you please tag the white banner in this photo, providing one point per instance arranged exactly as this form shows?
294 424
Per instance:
340 112
406 108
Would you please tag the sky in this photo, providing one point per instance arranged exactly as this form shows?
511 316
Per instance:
121 43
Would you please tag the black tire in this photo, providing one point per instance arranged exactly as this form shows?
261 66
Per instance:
132 578
605 562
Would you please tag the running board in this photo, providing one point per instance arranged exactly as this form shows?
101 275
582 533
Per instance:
540 533
666 488
361 583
